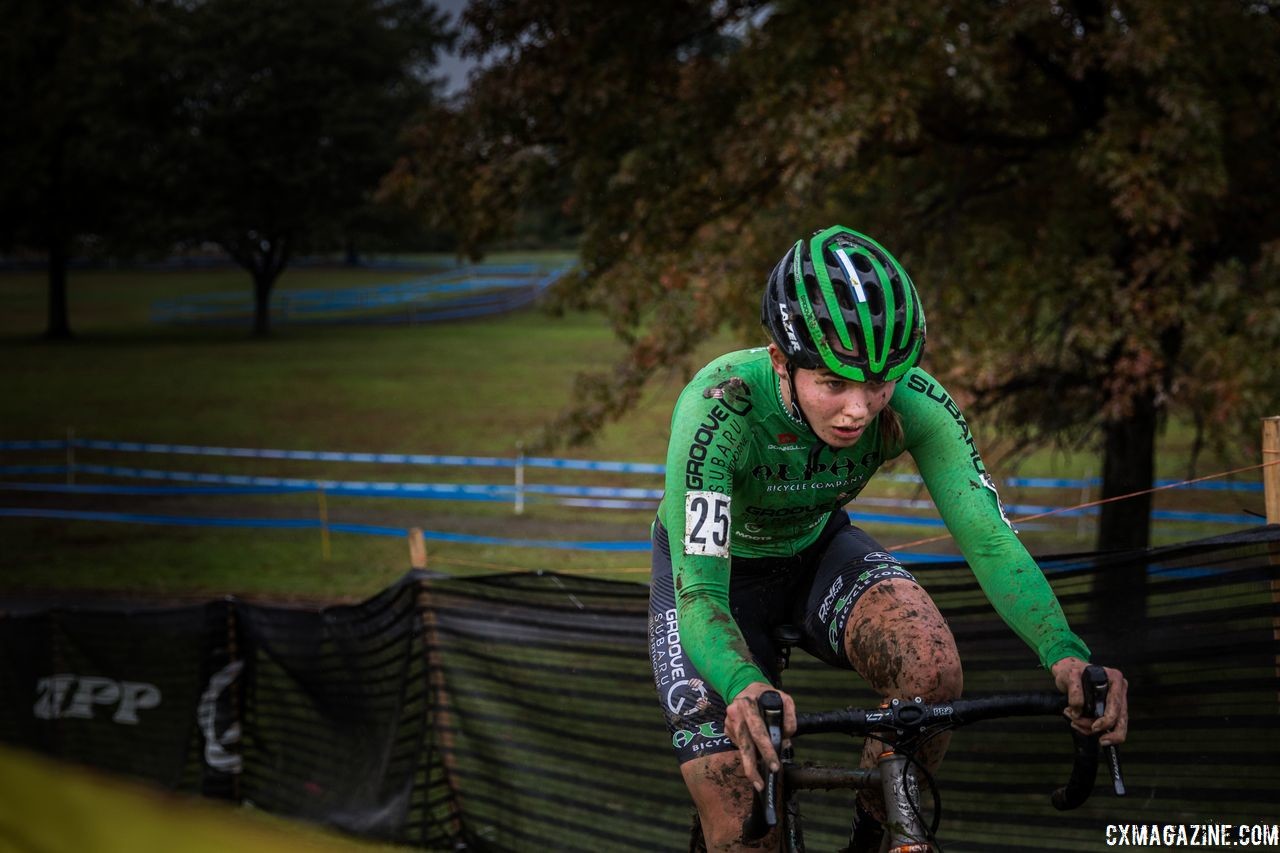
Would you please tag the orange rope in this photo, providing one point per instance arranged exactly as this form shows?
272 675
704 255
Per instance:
1061 510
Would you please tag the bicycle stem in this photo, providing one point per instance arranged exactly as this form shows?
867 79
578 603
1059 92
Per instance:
901 801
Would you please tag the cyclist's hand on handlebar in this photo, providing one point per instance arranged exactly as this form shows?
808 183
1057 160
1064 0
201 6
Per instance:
745 727
1114 723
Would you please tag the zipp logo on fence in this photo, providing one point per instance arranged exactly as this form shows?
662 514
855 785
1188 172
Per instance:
70 696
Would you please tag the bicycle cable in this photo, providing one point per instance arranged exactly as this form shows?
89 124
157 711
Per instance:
931 833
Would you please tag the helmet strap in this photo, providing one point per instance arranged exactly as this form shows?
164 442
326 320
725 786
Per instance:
798 413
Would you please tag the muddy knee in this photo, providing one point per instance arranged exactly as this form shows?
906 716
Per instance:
899 642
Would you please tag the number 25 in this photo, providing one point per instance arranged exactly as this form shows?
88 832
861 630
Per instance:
718 510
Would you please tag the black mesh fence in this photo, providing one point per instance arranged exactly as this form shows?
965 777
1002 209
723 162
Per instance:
517 712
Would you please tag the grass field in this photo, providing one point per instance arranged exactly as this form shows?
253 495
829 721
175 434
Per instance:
480 387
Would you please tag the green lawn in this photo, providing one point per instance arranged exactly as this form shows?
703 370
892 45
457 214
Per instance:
479 387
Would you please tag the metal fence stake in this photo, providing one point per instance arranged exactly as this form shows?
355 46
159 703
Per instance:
519 479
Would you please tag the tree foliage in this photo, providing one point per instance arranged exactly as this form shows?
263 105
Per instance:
1083 190
260 125
78 135
287 115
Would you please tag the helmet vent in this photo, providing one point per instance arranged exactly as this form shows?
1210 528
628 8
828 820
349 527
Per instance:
789 288
827 304
875 301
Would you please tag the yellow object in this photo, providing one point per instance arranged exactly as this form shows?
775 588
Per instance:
54 807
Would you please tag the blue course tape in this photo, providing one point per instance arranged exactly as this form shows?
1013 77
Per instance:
131 518
1214 517
908 520
300 455
583 496
592 465
33 469
593 491
101 489
453 491
912 557
345 487
375 458
504 494
311 523
530 462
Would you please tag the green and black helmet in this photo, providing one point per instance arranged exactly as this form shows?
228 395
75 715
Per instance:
839 300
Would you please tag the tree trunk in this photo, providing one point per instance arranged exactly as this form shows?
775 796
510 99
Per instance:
1128 466
1120 598
59 328
265 260
262 283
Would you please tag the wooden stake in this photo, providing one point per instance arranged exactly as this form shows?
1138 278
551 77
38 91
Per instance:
1271 493
1271 474
440 709
417 549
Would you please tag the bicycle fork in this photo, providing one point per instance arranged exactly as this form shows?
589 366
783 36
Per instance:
904 829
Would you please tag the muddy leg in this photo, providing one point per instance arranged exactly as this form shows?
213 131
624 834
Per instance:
898 641
723 797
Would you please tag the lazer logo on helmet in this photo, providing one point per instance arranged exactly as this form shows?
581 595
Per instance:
793 340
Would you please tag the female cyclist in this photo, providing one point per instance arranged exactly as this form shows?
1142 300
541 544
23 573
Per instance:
767 447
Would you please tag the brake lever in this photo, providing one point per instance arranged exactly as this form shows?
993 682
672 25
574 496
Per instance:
764 813
1096 686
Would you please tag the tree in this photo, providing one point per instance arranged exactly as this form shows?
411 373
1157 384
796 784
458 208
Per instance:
288 115
78 137
1083 190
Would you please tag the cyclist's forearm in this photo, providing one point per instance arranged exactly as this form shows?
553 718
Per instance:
1019 592
713 642
946 453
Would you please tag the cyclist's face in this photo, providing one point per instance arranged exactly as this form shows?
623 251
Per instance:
839 409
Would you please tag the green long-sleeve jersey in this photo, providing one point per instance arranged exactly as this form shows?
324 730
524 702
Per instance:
742 479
